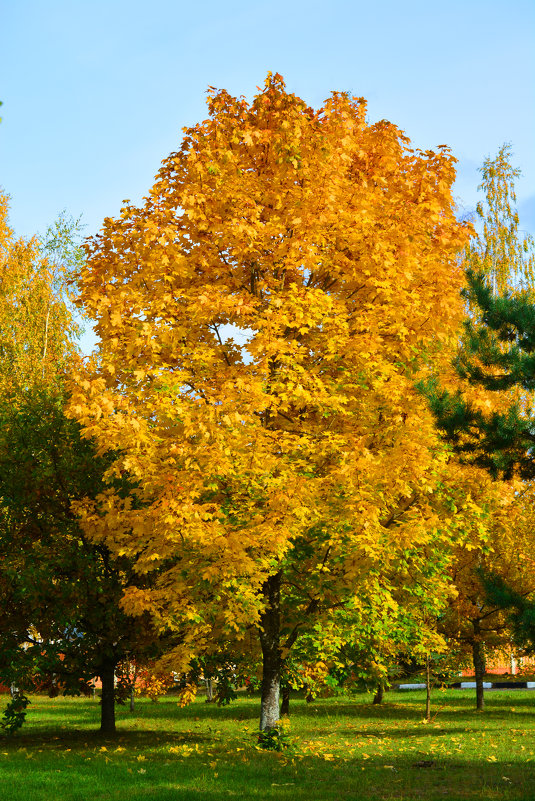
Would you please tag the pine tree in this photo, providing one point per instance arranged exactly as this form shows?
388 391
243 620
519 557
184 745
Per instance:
497 353
520 608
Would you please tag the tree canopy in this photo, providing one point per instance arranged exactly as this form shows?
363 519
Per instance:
262 319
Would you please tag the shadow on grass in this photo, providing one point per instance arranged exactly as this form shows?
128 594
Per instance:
447 708
265 776
142 762
82 739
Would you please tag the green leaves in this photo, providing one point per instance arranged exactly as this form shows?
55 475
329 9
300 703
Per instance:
14 714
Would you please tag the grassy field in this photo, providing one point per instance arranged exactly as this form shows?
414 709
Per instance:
344 749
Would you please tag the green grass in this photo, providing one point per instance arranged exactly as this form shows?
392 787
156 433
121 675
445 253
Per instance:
345 749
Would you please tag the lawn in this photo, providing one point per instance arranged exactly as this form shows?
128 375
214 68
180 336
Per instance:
345 748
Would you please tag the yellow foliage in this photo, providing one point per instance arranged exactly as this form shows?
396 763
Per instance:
329 246
187 695
36 327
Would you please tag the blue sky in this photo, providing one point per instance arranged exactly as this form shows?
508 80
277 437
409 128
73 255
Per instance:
96 93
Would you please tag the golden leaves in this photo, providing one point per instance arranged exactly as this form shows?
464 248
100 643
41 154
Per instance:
36 325
330 247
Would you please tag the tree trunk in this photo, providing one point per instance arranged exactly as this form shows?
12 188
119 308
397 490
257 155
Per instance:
132 699
285 706
478 657
107 702
209 684
379 694
271 654
427 688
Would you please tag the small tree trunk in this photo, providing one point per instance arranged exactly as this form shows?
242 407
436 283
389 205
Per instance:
209 684
132 698
379 694
107 702
427 688
271 655
514 665
478 657
285 705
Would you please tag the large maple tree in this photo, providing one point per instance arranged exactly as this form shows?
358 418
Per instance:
262 318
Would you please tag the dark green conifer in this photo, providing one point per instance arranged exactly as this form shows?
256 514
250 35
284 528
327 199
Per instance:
497 351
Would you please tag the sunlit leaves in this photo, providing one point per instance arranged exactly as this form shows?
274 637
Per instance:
36 325
333 244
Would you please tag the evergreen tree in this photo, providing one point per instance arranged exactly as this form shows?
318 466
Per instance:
520 607
497 353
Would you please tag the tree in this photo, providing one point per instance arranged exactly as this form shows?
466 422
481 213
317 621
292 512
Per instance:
37 331
496 356
485 412
519 606
272 474
499 539
499 252
59 593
